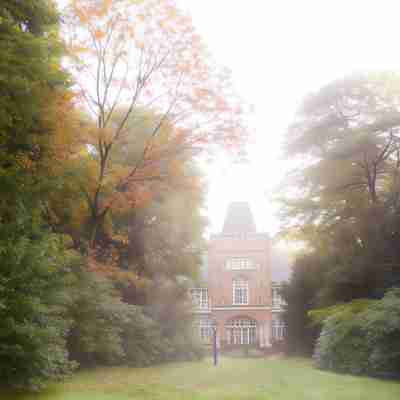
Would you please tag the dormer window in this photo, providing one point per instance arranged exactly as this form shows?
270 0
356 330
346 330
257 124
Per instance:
240 288
239 263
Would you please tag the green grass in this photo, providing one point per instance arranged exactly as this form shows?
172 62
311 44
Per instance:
233 379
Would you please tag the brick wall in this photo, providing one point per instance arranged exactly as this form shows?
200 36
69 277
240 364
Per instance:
256 247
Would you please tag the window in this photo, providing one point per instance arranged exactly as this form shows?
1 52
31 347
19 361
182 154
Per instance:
277 300
241 331
238 263
240 291
278 327
200 297
205 330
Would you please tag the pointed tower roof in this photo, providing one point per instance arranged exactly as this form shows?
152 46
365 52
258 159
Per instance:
239 219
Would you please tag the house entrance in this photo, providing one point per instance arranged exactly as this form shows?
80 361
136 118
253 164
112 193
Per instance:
241 331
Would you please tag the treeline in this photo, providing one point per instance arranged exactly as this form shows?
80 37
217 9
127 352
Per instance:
343 203
104 110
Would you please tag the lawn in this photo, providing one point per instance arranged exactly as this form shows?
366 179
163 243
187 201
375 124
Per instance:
233 379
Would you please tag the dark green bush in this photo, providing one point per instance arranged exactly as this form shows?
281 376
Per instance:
32 305
382 327
186 346
105 330
146 343
362 337
99 319
342 346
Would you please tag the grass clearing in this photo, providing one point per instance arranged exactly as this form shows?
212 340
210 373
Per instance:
233 379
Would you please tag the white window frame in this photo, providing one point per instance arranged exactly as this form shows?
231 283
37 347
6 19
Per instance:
278 327
241 331
240 292
239 263
200 297
205 330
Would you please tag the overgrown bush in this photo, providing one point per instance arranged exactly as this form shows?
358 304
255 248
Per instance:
186 346
32 304
105 330
342 344
361 337
99 319
144 343
147 342
382 327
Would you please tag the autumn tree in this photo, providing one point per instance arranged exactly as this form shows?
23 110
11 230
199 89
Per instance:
133 55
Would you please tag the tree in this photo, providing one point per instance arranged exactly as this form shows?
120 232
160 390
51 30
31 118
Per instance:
301 296
28 72
342 200
128 56
345 138
33 259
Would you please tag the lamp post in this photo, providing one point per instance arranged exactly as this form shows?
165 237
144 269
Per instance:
215 349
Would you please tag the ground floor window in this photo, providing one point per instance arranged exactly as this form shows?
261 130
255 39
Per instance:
205 330
241 331
278 327
199 297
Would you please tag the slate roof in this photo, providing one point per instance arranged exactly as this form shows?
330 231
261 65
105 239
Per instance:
239 219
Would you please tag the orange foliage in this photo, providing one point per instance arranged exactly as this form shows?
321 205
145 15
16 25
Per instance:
112 270
146 55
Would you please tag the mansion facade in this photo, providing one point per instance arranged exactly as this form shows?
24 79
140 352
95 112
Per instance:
239 294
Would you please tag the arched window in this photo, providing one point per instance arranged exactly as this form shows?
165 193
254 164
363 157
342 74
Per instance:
241 331
240 291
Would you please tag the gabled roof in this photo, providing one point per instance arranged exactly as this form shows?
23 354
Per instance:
239 219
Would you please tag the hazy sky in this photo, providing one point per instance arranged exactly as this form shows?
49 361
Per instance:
278 51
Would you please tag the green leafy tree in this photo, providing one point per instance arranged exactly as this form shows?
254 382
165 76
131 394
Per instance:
300 295
29 72
33 261
342 199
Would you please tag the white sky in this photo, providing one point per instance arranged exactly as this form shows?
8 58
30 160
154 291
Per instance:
278 51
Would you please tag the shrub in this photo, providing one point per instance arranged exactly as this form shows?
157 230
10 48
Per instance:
99 318
186 347
146 343
361 337
105 330
32 306
342 346
382 328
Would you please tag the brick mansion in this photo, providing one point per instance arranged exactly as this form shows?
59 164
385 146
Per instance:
239 293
